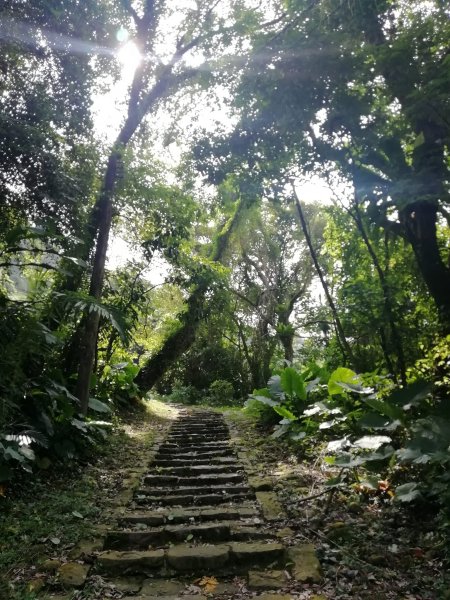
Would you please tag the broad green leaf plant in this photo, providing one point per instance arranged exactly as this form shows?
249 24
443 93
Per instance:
402 435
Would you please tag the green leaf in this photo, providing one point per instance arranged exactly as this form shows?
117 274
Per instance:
265 400
370 482
284 412
410 396
407 492
341 375
279 431
81 425
349 461
372 442
27 452
380 455
98 406
292 383
386 409
334 482
14 454
376 421
336 445
76 514
274 385
316 409
420 139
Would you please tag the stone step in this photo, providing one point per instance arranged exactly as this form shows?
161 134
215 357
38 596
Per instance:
193 470
199 428
201 432
185 462
195 490
215 531
194 500
199 425
235 557
177 449
180 452
204 479
205 436
189 515
172 597
194 446
199 419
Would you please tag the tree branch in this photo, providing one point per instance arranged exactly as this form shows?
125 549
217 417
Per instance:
128 7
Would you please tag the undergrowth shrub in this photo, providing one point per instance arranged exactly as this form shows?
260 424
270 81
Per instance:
401 434
116 384
220 393
185 394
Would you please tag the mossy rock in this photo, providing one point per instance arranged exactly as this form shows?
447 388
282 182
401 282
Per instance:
73 574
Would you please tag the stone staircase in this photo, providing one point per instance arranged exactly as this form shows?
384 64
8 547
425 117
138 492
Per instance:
195 515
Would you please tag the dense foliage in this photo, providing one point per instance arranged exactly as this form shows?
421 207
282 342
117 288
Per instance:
342 303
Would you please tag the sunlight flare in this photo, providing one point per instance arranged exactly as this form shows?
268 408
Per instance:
129 56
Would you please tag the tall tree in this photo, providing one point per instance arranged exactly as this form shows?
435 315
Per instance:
361 86
271 276
154 80
202 282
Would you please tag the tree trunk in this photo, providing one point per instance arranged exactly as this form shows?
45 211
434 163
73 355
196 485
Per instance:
137 109
179 341
429 176
90 325
345 347
286 334
419 220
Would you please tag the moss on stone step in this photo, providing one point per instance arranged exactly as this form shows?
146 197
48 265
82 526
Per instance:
198 558
305 564
130 562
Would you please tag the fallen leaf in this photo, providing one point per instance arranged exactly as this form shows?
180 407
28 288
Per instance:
208 584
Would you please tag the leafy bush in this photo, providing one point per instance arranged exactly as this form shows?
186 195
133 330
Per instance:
185 394
116 383
403 434
220 393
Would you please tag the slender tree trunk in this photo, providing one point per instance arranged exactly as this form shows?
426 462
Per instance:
89 336
287 341
345 346
387 356
286 335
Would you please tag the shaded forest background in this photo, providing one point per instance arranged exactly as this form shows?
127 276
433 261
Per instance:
341 302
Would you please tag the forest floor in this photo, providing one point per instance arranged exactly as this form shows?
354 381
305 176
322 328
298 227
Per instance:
368 547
